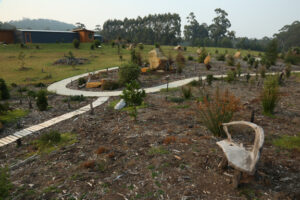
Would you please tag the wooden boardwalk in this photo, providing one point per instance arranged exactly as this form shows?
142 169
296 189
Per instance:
27 131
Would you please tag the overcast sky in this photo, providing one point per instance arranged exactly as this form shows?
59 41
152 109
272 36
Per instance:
251 18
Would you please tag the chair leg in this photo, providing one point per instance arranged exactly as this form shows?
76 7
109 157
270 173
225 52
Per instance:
236 178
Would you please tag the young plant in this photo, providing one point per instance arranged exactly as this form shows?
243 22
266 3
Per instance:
209 79
4 93
231 76
133 96
230 60
186 92
262 71
270 95
288 70
128 72
202 55
238 69
5 184
136 57
76 43
42 102
221 57
220 109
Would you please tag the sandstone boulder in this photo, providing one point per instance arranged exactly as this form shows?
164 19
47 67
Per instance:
157 60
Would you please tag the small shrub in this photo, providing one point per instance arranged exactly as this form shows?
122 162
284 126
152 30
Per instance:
128 72
270 94
248 77
97 43
40 85
288 70
77 98
176 99
190 58
92 47
217 51
169 139
218 110
31 94
251 61
42 102
4 93
184 48
256 64
76 43
202 55
110 85
262 71
230 60
4 107
209 79
141 46
221 57
245 58
81 81
157 45
133 96
195 83
231 76
50 138
186 92
136 57
5 184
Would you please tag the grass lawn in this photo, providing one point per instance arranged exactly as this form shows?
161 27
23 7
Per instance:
40 60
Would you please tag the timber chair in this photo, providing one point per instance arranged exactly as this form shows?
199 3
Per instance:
238 157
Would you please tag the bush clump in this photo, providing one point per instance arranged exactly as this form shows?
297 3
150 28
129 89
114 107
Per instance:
270 95
231 76
136 57
76 43
81 81
218 110
133 96
5 184
209 79
202 55
128 72
97 43
221 57
42 102
186 92
230 60
4 93
50 138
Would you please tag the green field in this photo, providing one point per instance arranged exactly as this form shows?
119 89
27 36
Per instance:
41 69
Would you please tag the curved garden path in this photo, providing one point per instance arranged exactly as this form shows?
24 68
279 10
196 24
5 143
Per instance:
61 89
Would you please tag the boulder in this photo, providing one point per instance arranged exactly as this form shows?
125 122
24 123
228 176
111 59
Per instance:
93 84
157 60
199 51
177 48
237 54
207 60
121 104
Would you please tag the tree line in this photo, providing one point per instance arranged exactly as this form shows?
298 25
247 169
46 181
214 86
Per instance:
165 29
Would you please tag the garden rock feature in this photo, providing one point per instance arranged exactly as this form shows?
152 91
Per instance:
156 59
121 104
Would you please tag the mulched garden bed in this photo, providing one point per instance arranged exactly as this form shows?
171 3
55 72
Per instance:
138 162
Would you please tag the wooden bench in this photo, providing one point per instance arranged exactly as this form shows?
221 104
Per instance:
237 156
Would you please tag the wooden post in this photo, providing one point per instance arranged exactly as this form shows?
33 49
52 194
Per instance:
252 116
29 103
19 142
92 108
69 105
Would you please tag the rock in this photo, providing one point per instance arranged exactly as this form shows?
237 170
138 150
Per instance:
178 48
93 84
157 60
237 55
120 105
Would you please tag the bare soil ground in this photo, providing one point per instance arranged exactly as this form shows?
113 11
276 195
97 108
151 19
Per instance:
138 164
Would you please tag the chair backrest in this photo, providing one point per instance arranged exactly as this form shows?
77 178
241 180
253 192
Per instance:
258 141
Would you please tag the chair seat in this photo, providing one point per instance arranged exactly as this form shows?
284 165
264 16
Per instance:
238 157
